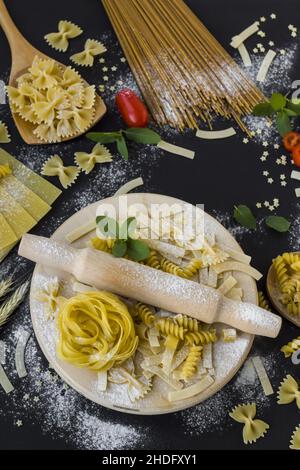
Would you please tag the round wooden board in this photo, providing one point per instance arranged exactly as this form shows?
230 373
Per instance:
274 294
228 357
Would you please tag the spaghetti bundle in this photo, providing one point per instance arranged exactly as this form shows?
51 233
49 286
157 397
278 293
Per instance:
181 69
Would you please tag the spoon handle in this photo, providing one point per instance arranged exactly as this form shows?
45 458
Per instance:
11 31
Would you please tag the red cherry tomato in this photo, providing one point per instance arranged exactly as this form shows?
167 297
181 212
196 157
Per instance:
290 140
296 155
132 109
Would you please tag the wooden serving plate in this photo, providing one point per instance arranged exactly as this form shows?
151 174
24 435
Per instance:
228 357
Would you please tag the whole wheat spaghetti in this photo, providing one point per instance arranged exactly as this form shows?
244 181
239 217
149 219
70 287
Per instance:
181 69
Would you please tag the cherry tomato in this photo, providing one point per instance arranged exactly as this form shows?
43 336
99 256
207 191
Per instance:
290 140
296 155
132 109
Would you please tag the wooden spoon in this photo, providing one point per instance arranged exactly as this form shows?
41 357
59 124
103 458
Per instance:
274 294
23 54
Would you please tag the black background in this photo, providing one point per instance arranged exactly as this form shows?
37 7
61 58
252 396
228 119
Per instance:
223 173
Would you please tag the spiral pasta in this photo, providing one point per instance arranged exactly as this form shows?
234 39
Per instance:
192 268
293 308
201 337
171 268
168 327
191 363
153 260
263 302
291 347
281 270
96 331
5 170
188 323
144 313
291 258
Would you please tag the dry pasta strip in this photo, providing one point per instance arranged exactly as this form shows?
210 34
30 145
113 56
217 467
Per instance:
234 254
5 171
2 352
265 65
176 149
81 231
253 428
227 285
245 55
20 353
224 133
191 391
60 40
295 175
127 187
229 335
262 375
236 266
240 38
5 382
7 235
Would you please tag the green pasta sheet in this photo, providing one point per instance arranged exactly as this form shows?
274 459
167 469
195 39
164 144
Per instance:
5 251
7 235
31 202
41 187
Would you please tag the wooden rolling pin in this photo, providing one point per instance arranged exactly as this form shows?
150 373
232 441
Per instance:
149 285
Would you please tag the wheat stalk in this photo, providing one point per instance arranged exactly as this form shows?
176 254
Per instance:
10 305
5 286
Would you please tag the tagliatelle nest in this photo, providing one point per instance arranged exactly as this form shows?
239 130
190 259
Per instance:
55 100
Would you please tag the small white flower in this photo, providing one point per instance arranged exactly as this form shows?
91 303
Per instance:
245 140
265 173
270 180
265 143
282 51
271 208
266 203
105 78
266 153
278 161
291 27
258 205
123 59
263 49
36 399
26 396
283 183
255 50
276 146
262 34
294 34
114 68
252 133
273 16
19 423
262 19
112 88
263 158
258 131
102 60
259 45
276 202
271 43
104 69
282 177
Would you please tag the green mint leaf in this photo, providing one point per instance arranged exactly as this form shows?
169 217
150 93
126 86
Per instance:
280 224
137 250
290 112
122 147
119 249
283 123
243 215
263 109
127 228
277 101
142 135
295 107
104 137
107 226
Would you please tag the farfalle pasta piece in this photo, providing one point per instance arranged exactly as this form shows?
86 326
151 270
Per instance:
288 391
87 161
44 73
60 40
47 132
82 117
55 167
4 134
295 439
253 428
55 100
49 295
92 48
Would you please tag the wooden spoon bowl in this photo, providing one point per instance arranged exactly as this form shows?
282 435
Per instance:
23 53
274 293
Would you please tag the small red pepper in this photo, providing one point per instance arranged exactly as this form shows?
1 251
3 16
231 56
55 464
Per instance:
132 109
290 140
296 155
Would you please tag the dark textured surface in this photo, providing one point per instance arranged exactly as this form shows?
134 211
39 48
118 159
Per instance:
223 173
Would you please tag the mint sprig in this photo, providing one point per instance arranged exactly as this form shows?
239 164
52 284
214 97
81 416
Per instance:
281 109
135 134
244 216
137 250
